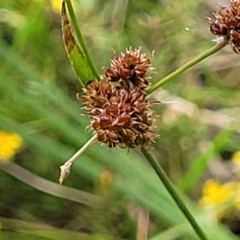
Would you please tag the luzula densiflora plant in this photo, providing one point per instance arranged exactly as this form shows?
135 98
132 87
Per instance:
120 113
117 103
118 107
226 23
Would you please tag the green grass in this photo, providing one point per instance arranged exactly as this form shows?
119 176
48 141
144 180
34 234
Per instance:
37 94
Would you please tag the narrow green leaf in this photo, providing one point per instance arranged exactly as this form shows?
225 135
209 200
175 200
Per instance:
75 54
200 164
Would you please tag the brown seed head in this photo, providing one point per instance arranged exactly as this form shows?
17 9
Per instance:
120 116
226 23
130 69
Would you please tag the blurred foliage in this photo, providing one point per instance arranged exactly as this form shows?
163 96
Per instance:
37 94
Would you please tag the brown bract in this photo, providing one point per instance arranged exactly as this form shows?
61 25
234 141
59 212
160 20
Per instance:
118 106
226 23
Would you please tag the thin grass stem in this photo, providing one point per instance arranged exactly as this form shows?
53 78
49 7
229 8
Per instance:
65 168
186 66
178 200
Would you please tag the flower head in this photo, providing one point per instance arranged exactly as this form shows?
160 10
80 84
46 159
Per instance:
10 143
215 193
219 198
120 112
120 116
130 69
56 4
226 23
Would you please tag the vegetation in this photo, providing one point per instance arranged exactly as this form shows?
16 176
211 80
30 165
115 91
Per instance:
114 193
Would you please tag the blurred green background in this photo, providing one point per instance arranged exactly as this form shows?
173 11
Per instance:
110 191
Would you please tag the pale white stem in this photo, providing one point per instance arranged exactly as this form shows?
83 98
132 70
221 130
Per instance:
65 168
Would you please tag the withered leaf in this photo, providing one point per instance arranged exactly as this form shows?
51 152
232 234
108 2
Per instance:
75 54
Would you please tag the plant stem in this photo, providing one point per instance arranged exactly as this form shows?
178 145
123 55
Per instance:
186 66
80 39
65 168
170 188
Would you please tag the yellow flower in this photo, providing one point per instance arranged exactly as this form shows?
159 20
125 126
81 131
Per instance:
57 4
220 199
236 158
237 196
10 143
215 193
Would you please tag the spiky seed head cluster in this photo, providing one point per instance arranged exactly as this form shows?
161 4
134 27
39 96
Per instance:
226 23
119 110
130 69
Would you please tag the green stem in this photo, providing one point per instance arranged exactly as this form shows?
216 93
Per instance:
65 168
170 188
80 39
186 66
82 149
